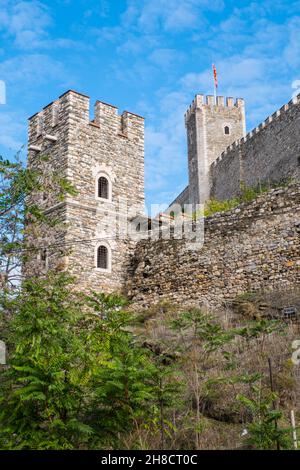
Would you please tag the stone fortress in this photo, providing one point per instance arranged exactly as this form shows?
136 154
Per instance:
221 156
250 247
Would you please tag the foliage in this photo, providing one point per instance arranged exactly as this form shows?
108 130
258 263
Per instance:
264 432
81 375
202 339
259 328
18 208
133 386
213 205
247 194
77 380
16 182
43 389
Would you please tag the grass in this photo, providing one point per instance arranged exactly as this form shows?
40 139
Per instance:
247 194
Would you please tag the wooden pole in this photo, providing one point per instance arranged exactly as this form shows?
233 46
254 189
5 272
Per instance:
294 431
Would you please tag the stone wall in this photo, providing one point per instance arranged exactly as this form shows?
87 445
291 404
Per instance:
268 154
182 198
252 247
248 248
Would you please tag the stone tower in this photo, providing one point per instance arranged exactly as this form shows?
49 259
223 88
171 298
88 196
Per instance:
103 159
211 128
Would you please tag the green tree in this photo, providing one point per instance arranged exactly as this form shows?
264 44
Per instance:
43 391
16 182
167 385
21 213
264 432
133 386
19 207
77 377
121 383
200 338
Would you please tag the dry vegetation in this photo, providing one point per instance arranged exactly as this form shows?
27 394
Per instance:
213 373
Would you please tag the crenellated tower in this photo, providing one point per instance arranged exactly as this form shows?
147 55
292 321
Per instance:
103 159
211 127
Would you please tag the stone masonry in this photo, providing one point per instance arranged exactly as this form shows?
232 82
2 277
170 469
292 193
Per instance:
253 247
269 154
205 123
111 145
211 127
220 164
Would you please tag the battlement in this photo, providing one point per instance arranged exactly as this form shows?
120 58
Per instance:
73 109
201 101
250 135
102 157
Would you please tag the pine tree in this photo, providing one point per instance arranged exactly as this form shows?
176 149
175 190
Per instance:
44 388
122 379
264 432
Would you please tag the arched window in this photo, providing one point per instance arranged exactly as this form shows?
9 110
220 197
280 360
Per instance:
226 130
103 257
103 187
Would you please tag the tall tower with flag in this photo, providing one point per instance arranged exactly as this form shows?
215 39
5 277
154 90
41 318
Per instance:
212 123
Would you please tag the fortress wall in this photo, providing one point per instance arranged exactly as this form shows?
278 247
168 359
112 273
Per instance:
182 198
268 154
225 175
252 247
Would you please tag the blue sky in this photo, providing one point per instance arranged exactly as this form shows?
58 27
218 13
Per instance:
150 57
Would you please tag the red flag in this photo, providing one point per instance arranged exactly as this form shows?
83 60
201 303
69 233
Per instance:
215 75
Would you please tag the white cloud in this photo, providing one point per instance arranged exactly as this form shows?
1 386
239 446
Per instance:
261 73
32 68
12 127
165 58
28 24
28 72
145 21
170 15
166 149
292 49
